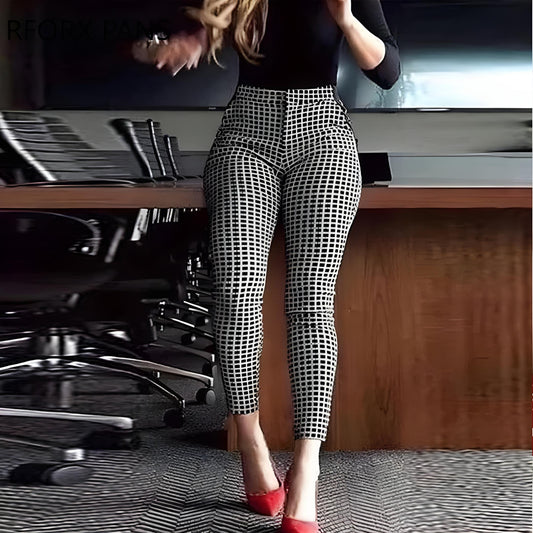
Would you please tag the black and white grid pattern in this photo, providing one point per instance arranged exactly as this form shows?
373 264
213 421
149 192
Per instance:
289 154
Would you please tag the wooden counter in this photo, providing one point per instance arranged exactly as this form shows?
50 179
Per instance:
189 193
432 311
433 319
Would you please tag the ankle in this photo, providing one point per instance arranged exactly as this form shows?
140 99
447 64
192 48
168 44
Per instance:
251 441
305 469
252 447
249 433
306 462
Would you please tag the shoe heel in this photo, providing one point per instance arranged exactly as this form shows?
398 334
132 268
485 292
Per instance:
292 525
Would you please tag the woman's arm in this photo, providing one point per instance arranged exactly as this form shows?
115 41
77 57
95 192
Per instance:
369 38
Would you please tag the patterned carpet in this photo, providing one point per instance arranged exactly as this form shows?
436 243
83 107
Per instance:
179 482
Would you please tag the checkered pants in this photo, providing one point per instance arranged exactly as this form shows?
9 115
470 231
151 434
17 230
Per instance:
289 153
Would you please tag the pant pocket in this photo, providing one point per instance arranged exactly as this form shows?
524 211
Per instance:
346 114
338 100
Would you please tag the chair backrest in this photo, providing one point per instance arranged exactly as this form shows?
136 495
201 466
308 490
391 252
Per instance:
124 128
52 256
173 151
166 160
29 235
157 154
49 150
27 136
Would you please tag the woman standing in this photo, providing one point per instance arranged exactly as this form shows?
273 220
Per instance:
285 148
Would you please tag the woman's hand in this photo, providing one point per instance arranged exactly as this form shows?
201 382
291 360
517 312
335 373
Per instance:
174 53
341 11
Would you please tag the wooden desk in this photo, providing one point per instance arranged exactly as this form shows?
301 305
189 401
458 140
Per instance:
189 193
432 309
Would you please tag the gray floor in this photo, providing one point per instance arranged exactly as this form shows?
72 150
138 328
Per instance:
179 482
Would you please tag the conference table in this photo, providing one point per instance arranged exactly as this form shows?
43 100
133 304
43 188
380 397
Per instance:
432 313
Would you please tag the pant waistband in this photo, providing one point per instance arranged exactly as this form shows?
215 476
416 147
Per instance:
271 95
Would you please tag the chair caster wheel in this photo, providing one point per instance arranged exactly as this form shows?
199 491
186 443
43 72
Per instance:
50 473
174 418
188 338
206 396
112 439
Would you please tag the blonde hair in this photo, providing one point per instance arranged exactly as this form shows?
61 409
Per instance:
241 22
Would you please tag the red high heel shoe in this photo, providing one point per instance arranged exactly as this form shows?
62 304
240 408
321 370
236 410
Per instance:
268 503
292 525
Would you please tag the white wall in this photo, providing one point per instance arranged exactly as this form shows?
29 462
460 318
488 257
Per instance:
404 132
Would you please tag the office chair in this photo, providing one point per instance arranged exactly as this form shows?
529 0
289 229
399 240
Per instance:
157 154
38 278
158 158
41 281
150 292
54 144
42 154
49 143
95 161
162 231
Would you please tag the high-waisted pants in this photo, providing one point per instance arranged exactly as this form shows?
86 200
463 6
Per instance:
289 153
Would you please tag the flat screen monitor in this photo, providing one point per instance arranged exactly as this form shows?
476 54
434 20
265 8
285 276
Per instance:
462 54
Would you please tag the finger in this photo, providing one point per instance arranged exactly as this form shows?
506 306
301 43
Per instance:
161 57
166 55
181 51
177 70
176 67
197 55
161 61
193 63
190 52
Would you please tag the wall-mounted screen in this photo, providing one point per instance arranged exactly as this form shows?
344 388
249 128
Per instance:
462 54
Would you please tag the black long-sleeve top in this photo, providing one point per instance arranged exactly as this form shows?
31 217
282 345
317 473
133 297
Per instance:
302 44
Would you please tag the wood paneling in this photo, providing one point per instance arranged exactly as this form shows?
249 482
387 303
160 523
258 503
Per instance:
433 318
